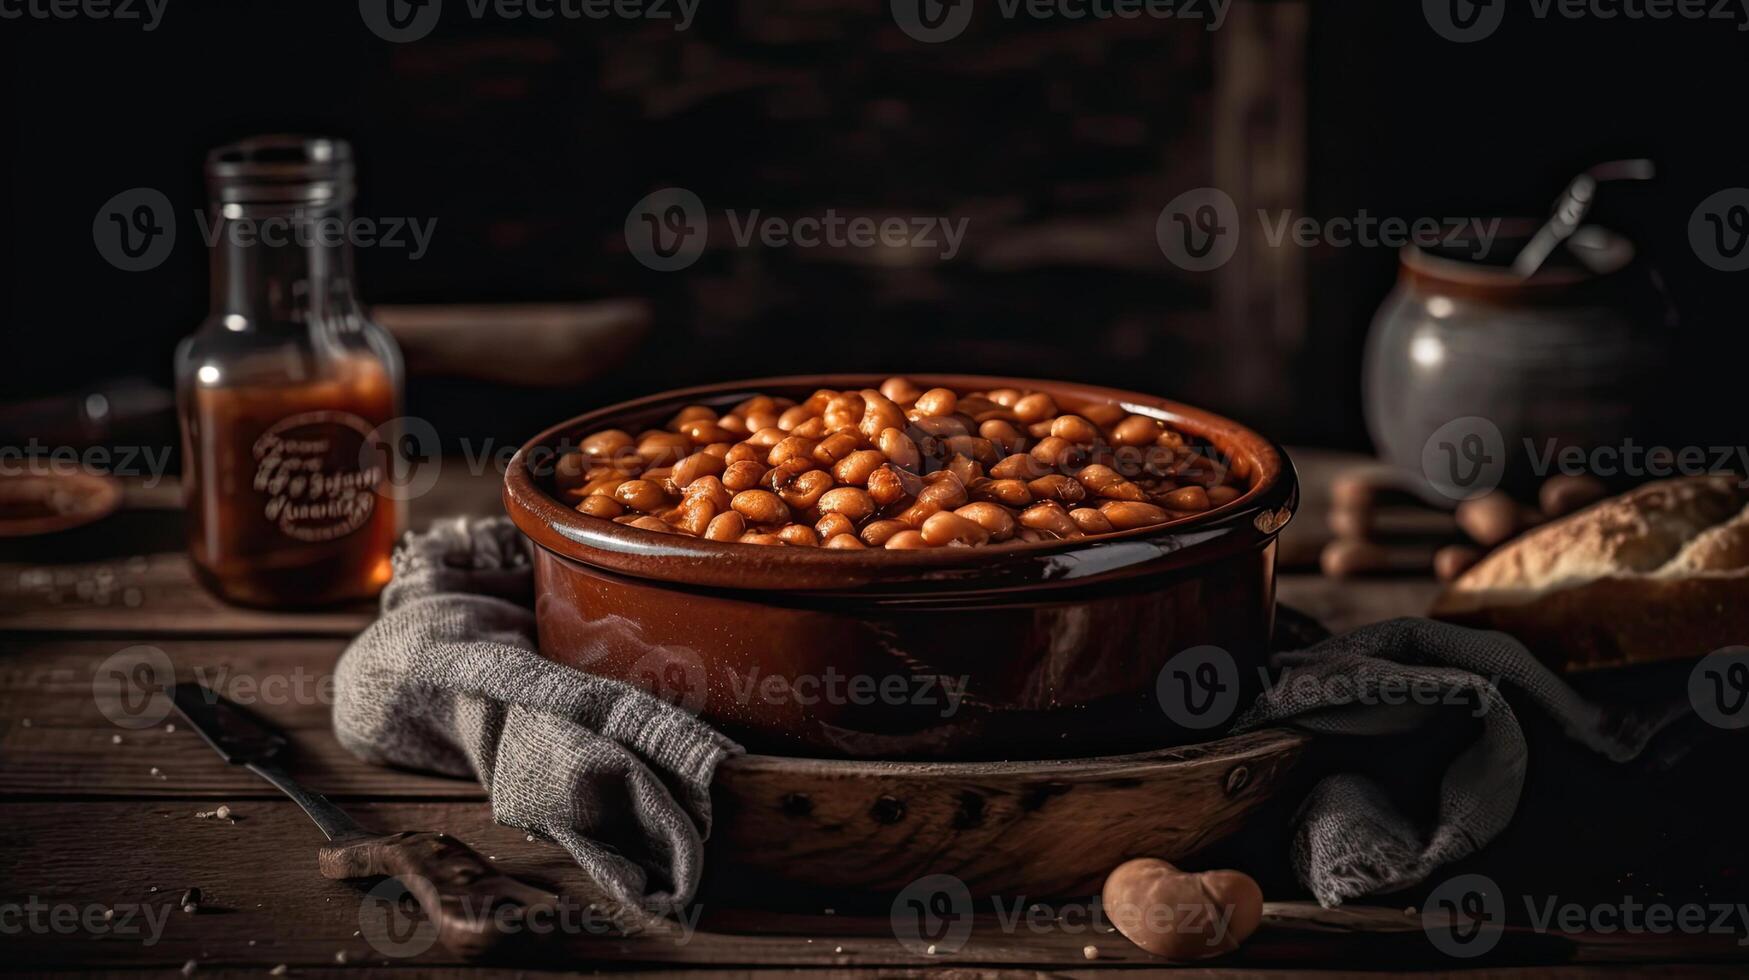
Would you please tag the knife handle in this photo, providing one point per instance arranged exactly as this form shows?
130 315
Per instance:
474 905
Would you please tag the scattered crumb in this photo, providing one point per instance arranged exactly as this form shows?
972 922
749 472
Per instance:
152 888
278 971
223 812
251 942
931 949
840 949
531 838
188 968
115 740
108 915
340 956
831 911
169 726
1090 952
158 773
26 722
191 900
355 932
1409 911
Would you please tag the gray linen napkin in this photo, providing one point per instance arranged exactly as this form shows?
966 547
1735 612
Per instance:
448 680
1403 678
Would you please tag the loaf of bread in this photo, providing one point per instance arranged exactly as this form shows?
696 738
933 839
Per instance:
1660 572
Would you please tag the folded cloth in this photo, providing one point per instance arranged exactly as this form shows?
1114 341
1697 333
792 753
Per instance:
448 680
1417 676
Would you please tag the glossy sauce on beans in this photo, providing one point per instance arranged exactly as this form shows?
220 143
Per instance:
899 467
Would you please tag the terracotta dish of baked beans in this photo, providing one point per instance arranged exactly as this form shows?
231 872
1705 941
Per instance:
898 467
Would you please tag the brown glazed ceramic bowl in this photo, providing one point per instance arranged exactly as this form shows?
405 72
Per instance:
1037 650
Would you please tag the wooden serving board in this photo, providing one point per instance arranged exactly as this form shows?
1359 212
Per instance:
1033 828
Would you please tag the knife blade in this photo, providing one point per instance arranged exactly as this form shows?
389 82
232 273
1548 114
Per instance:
473 904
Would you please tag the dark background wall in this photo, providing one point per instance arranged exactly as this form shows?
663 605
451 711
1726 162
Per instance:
529 142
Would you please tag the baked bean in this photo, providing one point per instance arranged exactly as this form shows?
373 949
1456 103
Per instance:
855 469
938 427
745 451
643 495
1055 452
897 447
1006 397
799 534
1035 407
974 447
1019 466
704 431
843 412
1056 486
695 466
879 413
607 443
835 447
937 402
814 428
649 523
946 491
876 533
1013 493
599 505
708 488
734 423
761 420
830 526
760 506
1222 495
792 417
849 501
817 402
900 391
719 449
663 448
757 403
604 485
1103 481
784 473
694 515
1188 498
727 526
887 486
1090 521
842 541
1127 514
967 470
1048 515
569 472
993 518
743 475
806 490
1074 428
767 437
908 540
945 528
792 447
1103 414
1137 430
1002 434
761 537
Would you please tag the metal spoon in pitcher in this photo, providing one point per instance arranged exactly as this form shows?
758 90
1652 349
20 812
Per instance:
1570 211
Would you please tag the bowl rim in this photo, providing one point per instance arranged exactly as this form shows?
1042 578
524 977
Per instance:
1250 521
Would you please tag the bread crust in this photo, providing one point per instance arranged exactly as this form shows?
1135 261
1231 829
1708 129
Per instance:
1658 573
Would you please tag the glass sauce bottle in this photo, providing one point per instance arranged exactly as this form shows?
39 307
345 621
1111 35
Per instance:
286 393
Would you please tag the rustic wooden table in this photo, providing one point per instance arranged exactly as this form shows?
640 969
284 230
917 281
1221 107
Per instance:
105 825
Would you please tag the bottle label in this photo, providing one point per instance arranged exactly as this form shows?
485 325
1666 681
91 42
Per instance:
319 481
